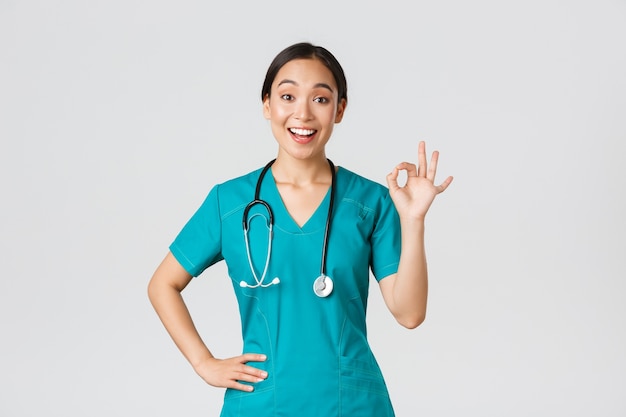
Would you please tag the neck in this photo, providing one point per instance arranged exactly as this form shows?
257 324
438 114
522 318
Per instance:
301 172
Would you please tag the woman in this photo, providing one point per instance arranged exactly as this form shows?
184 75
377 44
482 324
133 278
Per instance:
300 257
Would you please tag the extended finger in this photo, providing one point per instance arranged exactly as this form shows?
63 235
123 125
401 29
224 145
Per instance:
252 371
441 188
250 374
252 357
421 159
432 168
245 373
241 387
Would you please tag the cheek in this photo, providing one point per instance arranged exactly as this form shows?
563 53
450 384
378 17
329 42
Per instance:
329 115
277 113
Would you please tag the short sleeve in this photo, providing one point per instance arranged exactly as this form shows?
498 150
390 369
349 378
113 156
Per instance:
386 243
199 244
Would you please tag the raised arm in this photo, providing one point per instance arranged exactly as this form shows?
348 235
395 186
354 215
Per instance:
406 292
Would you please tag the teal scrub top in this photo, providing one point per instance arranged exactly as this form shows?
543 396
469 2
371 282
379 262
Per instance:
319 361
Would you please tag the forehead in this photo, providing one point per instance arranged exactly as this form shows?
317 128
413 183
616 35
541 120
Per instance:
305 72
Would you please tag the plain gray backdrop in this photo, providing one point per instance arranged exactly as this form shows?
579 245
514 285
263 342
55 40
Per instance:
116 117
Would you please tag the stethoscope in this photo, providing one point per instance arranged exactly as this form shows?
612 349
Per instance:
323 284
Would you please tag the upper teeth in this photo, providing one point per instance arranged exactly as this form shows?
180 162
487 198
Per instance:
302 131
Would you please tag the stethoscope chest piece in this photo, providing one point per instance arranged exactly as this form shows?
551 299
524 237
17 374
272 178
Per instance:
323 286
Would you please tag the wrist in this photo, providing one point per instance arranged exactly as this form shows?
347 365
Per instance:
412 222
201 360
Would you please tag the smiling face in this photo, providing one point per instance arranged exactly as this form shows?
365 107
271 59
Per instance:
303 107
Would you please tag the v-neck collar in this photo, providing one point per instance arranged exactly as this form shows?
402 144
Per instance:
282 218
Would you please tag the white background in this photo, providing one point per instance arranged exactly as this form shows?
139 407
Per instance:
116 117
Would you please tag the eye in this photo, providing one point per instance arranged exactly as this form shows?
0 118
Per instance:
286 97
320 100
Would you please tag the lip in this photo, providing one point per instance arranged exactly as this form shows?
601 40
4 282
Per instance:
302 139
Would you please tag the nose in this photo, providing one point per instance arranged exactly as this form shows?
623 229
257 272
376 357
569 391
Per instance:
303 110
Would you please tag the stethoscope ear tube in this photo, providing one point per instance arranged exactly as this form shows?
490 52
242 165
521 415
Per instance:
251 204
257 199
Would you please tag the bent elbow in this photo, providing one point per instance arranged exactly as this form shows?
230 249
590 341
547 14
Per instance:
151 290
411 322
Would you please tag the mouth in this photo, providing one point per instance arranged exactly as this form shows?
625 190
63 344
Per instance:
302 135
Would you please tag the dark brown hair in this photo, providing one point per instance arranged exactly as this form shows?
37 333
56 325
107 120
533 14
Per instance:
305 50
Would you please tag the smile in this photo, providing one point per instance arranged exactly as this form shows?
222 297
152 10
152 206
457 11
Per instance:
302 136
301 132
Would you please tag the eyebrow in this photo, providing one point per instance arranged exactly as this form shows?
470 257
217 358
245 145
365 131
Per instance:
318 85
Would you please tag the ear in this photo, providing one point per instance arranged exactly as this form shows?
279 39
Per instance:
266 107
341 108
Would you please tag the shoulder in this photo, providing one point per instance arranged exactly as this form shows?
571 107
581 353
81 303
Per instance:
364 193
358 185
239 183
232 193
370 202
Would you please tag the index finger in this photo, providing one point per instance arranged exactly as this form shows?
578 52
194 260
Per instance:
253 357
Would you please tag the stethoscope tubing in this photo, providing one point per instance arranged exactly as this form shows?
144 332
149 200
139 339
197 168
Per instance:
270 220
331 204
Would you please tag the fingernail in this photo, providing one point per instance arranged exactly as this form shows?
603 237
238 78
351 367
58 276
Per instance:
264 374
